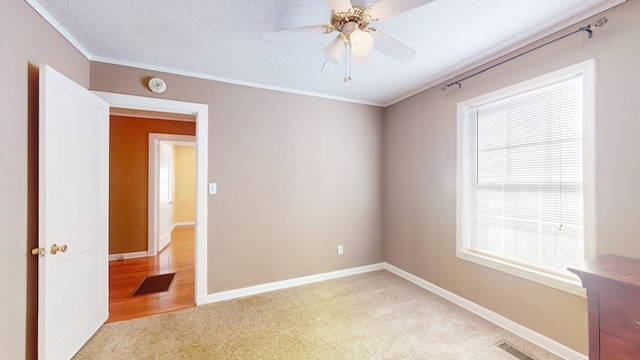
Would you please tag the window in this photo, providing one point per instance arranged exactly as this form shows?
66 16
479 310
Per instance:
525 177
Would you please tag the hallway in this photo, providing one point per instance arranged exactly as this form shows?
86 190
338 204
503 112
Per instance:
125 275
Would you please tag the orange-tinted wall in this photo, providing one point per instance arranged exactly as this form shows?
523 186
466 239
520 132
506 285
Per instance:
129 178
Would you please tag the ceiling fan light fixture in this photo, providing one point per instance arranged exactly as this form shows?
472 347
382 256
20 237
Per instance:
361 42
334 51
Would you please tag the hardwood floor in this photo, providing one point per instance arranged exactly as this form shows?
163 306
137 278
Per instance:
126 275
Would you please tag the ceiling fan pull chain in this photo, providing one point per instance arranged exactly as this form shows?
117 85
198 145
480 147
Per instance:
347 67
350 60
346 55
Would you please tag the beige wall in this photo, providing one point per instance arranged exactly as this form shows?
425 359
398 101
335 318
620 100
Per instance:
420 178
297 176
26 41
184 202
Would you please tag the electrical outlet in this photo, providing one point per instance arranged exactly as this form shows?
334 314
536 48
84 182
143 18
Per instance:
340 250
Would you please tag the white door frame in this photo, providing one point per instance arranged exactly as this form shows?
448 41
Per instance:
154 139
202 118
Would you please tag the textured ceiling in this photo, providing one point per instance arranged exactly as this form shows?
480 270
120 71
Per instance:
220 39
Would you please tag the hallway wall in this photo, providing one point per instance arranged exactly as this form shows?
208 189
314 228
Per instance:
184 203
129 179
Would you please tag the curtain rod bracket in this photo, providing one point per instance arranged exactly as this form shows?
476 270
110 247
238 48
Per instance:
446 86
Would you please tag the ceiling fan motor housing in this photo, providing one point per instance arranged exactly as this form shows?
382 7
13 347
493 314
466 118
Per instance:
344 21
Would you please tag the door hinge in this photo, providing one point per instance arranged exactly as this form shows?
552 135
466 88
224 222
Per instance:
38 251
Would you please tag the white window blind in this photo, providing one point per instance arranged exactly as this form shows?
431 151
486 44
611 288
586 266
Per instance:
521 190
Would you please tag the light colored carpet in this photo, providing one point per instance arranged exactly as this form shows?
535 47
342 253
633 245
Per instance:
375 315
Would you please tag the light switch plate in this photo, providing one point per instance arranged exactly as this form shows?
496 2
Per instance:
213 188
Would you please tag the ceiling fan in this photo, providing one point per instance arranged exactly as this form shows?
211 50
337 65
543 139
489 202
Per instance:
355 34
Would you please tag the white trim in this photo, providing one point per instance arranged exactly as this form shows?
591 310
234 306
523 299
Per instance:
526 333
586 67
472 63
56 25
152 115
590 79
201 112
154 140
183 223
278 285
130 255
481 60
566 284
231 81
569 283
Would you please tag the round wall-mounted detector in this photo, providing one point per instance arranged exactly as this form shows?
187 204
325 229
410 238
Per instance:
157 85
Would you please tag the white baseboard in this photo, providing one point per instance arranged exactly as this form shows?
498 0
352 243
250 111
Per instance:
131 255
525 333
253 290
139 254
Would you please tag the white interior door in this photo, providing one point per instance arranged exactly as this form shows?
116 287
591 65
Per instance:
73 288
165 193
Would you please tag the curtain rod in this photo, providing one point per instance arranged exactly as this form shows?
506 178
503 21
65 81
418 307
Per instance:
596 25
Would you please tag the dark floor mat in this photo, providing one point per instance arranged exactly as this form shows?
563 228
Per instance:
154 284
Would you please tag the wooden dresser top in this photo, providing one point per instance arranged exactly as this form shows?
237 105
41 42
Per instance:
612 267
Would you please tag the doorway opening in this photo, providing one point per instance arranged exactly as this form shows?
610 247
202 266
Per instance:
171 187
186 252
169 218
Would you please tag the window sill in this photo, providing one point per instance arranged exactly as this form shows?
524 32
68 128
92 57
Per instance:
564 284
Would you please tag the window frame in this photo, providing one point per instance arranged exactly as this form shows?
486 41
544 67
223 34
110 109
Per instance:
570 283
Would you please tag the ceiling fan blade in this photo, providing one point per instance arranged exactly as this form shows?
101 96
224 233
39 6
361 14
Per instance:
339 5
335 50
385 9
392 47
294 33
328 68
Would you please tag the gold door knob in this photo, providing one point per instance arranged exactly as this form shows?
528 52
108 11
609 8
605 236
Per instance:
55 248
